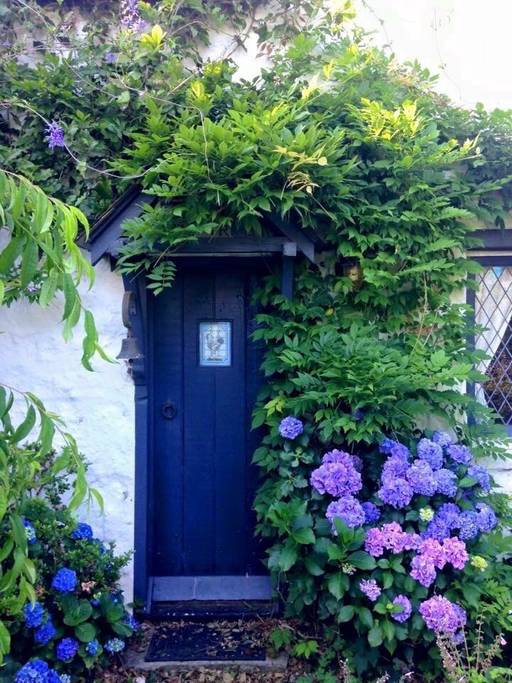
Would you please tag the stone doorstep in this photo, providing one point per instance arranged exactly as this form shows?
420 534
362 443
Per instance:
135 660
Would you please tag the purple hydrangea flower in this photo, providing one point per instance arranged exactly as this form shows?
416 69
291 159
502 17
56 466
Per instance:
45 633
404 603
55 135
441 615
430 451
442 438
394 448
337 479
433 551
290 427
67 649
421 477
394 467
397 492
460 454
338 456
374 542
458 638
114 645
64 678
130 15
482 477
468 525
371 512
370 588
486 518
111 57
34 614
83 532
423 570
348 509
446 481
65 580
455 552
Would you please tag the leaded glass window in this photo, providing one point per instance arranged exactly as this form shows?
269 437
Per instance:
493 311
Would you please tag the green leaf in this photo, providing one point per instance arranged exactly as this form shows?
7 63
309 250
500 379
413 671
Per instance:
337 585
375 636
78 614
313 567
26 426
362 560
29 261
345 614
365 616
85 632
304 536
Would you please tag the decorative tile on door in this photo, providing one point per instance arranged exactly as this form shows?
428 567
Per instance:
215 343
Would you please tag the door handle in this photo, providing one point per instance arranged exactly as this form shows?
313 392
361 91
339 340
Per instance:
169 410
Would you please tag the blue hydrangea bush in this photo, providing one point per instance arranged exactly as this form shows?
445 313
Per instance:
78 622
389 547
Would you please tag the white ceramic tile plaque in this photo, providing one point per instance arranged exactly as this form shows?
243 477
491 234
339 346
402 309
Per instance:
215 343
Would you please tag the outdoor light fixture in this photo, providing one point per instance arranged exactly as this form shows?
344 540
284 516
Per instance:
129 346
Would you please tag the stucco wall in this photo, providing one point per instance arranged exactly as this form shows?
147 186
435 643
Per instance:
97 407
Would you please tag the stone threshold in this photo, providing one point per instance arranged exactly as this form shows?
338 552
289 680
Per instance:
135 660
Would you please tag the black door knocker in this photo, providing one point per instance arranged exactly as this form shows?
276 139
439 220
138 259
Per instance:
169 410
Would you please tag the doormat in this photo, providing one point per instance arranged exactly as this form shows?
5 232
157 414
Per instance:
189 642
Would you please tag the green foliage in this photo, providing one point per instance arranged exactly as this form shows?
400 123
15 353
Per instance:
40 256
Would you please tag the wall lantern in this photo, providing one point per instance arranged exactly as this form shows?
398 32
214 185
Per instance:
129 346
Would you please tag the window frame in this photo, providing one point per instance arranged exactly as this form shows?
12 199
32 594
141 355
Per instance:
493 240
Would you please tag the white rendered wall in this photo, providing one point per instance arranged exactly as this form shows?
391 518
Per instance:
96 406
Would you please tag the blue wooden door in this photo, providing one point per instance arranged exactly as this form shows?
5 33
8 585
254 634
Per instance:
205 381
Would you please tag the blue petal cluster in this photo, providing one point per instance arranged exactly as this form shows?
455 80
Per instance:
67 649
45 633
34 614
290 428
348 509
460 454
92 648
37 671
371 512
396 492
394 448
421 477
430 451
30 532
446 482
114 645
482 477
83 532
65 580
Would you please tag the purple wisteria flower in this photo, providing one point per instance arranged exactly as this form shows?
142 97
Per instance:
130 15
65 580
396 492
348 509
394 448
34 614
55 135
460 454
337 479
67 649
430 451
404 603
482 476
421 477
370 588
442 438
441 615
486 518
290 427
446 481
371 512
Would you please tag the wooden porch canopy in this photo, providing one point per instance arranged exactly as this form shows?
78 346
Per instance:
282 239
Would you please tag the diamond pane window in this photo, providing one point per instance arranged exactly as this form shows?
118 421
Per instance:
493 311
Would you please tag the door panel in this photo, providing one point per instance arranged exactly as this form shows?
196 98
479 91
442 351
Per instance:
203 483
